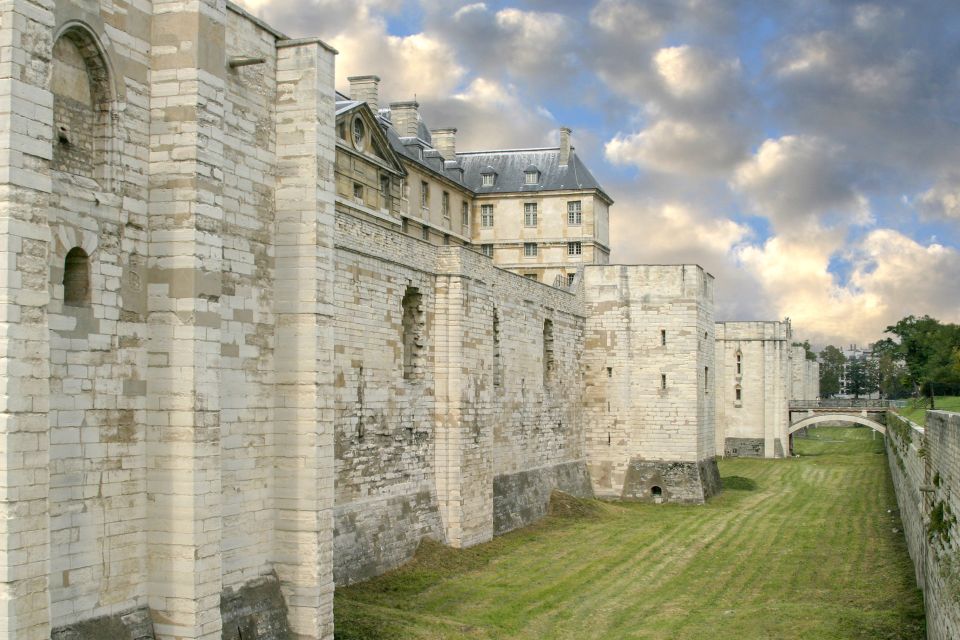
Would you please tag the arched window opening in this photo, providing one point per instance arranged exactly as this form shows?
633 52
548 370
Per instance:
656 491
82 99
414 324
76 278
548 363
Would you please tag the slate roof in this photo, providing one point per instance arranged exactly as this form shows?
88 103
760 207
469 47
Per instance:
511 166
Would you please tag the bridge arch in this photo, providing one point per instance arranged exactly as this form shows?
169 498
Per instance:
837 417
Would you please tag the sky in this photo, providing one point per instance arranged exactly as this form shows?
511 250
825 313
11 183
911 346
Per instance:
804 152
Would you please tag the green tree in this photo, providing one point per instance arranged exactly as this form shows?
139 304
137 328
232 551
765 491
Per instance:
861 376
831 368
927 349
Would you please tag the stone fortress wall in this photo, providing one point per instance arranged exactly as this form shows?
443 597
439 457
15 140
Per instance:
222 396
759 372
925 466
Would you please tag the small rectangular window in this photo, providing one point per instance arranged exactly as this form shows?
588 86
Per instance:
358 191
425 232
706 379
530 276
609 372
663 336
574 248
465 216
445 204
424 194
570 277
663 381
487 179
446 238
403 225
530 249
531 177
385 195
487 250
530 214
574 216
486 216
738 394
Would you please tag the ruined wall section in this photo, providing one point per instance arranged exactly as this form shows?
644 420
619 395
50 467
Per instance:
925 466
433 447
649 428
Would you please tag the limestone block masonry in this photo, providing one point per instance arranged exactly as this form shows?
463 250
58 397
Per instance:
649 377
221 395
925 465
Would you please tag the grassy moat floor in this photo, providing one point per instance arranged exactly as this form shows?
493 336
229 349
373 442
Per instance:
809 548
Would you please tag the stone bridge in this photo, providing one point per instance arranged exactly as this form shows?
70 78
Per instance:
868 412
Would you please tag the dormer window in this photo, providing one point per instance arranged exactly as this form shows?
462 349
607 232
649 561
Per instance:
488 177
359 132
531 175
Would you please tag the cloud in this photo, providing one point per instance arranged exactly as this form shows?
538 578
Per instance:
419 63
942 200
799 182
681 147
693 74
892 276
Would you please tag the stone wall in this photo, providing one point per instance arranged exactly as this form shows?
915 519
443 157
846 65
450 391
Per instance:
648 358
758 373
437 453
925 466
167 226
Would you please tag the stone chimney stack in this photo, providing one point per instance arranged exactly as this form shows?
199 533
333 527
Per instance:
565 147
366 89
445 141
406 118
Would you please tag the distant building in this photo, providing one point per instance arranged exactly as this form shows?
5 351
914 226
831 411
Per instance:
537 212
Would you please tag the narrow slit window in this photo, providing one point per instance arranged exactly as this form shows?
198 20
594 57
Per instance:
76 278
414 324
706 379
663 381
548 363
739 363
663 337
737 393
497 376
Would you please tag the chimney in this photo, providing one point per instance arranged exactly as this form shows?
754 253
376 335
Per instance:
406 118
445 141
366 89
565 147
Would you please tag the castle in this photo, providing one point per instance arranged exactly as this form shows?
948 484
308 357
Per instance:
261 338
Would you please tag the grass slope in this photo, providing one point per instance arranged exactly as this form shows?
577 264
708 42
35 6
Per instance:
916 410
800 548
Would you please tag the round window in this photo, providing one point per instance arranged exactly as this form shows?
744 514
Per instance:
358 133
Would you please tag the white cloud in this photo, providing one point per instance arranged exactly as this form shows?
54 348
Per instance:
692 73
672 146
942 200
798 182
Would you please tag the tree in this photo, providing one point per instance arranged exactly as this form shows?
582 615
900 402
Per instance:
861 376
927 349
831 368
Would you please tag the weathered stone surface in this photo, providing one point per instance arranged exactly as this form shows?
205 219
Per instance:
255 610
680 482
743 448
522 498
130 625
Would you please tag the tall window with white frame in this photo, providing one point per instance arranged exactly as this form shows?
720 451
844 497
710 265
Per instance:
529 249
486 216
445 205
487 250
530 214
424 195
739 363
465 216
574 215
574 248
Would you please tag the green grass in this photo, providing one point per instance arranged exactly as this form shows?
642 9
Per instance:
916 410
799 548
